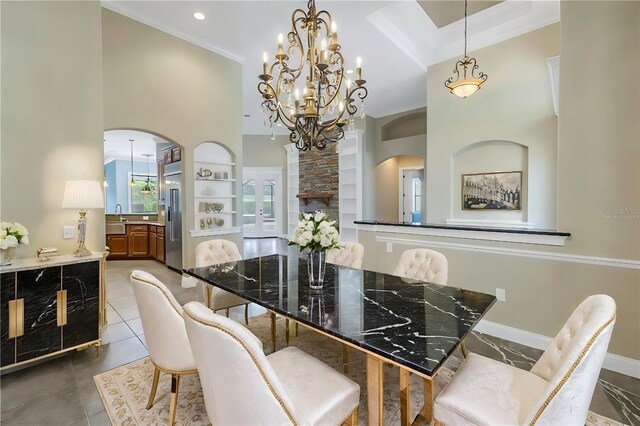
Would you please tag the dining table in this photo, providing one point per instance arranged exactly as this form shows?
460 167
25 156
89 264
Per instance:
412 324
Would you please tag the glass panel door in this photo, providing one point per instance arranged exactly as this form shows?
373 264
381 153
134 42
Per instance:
260 209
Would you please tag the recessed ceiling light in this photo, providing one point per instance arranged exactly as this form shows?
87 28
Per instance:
349 71
199 16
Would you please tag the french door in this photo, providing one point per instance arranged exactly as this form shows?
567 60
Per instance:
261 201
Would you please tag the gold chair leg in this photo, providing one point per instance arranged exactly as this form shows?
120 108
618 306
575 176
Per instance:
287 327
345 358
463 348
154 386
273 330
175 383
297 329
246 314
353 418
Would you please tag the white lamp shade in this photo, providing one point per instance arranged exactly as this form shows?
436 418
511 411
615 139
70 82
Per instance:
83 194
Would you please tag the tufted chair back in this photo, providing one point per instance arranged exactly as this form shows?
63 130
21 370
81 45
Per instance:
572 363
423 265
239 385
213 252
162 322
349 255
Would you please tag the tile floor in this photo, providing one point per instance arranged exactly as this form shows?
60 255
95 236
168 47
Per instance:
62 392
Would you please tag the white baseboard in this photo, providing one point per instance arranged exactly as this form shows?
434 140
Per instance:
613 362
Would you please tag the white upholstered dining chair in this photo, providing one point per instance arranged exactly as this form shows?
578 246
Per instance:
348 254
214 252
165 334
242 386
557 390
423 265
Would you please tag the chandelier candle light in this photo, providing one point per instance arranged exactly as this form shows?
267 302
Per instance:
468 83
305 88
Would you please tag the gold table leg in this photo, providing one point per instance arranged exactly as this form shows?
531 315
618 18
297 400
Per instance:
375 390
427 410
405 397
345 359
273 330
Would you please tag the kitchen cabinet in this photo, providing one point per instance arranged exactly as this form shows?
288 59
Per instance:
49 308
160 244
138 240
153 242
118 245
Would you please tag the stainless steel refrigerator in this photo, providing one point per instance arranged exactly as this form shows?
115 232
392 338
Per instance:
173 220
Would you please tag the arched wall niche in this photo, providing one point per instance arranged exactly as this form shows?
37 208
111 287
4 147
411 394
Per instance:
406 126
488 157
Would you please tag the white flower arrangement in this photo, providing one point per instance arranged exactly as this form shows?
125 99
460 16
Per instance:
12 234
316 232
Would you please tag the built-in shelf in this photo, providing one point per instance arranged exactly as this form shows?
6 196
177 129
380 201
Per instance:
211 232
326 198
215 163
221 175
216 180
210 212
214 196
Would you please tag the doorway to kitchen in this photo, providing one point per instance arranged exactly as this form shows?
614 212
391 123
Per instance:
411 194
261 201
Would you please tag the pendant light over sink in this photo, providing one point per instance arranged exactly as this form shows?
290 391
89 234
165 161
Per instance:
147 188
132 183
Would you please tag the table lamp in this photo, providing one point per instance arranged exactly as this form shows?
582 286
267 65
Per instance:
82 195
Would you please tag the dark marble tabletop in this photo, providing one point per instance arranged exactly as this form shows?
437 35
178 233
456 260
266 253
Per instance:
413 323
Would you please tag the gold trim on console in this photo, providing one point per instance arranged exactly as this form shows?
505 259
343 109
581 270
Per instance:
61 308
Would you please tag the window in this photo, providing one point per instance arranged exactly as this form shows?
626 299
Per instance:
416 183
140 202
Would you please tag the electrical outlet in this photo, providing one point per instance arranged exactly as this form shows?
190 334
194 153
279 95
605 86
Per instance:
389 247
501 295
67 232
145 217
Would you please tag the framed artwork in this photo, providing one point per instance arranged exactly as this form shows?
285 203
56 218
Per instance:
492 191
166 154
176 154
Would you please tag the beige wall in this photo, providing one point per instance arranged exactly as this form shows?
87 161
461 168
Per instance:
51 117
388 185
261 151
158 83
407 124
513 105
599 149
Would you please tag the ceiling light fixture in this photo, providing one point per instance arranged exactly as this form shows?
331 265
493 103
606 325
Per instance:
314 112
147 187
199 16
132 183
469 84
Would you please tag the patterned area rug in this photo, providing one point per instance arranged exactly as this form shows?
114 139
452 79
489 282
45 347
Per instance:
125 390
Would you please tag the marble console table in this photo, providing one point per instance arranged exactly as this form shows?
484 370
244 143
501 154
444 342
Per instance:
50 307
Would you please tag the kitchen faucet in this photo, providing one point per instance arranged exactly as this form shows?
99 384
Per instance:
116 212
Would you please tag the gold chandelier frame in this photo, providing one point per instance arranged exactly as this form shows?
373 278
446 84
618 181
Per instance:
319 117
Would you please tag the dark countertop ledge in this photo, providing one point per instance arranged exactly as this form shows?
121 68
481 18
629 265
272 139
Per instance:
465 228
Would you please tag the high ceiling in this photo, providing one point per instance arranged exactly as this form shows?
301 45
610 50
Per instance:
396 39
445 12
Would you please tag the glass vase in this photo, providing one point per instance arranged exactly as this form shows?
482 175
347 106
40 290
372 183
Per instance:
7 255
315 267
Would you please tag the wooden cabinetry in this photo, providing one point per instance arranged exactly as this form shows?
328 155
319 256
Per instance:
138 240
118 245
48 309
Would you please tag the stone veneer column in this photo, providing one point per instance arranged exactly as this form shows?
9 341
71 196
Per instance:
319 174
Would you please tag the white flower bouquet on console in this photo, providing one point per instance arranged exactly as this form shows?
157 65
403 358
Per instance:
11 235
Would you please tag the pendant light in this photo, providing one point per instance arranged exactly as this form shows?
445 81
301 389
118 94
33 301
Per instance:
147 188
468 83
132 183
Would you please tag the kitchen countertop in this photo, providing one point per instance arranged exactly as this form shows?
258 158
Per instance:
137 222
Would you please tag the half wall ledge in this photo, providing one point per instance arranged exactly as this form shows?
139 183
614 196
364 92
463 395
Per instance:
546 237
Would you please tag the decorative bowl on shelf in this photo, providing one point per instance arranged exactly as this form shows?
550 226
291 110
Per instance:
217 207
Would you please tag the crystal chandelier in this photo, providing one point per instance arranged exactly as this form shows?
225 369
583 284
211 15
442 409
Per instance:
306 88
469 83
